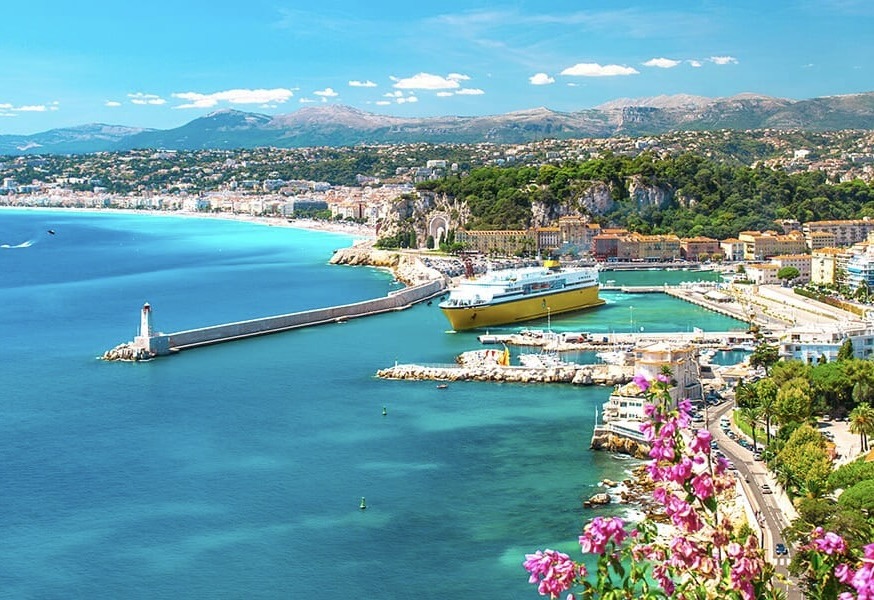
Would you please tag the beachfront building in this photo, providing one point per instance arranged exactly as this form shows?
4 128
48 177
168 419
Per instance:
801 262
696 247
625 404
761 245
814 343
846 232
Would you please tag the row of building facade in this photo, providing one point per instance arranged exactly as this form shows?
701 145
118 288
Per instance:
824 252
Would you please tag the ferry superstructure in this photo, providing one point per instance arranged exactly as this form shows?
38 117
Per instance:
516 295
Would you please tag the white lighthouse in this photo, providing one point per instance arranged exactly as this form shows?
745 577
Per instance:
150 342
146 321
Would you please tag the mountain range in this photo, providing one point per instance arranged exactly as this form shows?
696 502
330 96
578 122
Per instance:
338 125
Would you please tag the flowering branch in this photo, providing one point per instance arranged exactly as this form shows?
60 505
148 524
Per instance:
706 557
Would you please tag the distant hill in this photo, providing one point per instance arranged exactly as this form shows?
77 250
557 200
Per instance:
337 125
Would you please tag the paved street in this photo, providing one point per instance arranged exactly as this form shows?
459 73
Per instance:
775 510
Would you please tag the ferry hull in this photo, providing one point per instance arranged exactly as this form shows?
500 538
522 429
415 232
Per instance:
525 309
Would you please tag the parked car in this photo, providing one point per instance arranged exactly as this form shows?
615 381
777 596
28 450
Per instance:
766 489
780 550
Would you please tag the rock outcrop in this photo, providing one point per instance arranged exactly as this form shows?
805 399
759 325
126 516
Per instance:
407 267
646 195
127 352
614 443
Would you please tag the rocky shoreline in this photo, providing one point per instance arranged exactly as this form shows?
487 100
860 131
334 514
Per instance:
610 442
406 267
127 352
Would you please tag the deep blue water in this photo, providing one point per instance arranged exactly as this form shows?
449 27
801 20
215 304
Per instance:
235 471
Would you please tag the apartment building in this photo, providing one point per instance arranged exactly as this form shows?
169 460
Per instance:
732 248
825 264
802 262
759 245
846 232
696 247
578 231
763 274
498 242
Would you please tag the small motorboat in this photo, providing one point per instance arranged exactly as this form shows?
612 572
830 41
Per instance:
442 386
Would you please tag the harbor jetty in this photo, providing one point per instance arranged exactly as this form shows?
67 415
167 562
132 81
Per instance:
149 344
606 375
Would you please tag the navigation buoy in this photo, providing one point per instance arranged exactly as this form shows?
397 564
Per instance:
51 231
363 504
384 411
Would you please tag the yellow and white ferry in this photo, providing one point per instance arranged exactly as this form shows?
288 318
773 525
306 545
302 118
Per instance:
516 295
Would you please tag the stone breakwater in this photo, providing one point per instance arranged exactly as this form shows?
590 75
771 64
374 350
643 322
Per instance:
407 268
573 374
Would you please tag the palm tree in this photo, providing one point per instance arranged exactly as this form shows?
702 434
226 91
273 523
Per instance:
862 422
766 392
751 415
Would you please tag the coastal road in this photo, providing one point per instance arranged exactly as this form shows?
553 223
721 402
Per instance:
752 474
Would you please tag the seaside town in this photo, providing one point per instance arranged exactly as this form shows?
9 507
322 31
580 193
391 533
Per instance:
800 291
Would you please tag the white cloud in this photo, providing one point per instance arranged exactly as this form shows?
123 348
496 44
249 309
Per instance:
32 108
367 83
444 94
407 100
427 81
395 94
723 60
141 98
307 101
596 70
237 96
662 63
541 79
112 103
694 63
382 103
326 93
470 92
457 77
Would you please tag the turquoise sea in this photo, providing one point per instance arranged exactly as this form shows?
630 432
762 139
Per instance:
235 471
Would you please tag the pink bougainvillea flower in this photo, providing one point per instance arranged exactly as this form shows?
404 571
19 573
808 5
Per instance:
641 382
553 571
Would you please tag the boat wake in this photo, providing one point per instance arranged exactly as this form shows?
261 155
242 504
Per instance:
26 244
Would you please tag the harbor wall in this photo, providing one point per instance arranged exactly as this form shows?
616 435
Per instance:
242 329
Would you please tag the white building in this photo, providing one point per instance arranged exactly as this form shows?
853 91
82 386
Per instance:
625 405
810 343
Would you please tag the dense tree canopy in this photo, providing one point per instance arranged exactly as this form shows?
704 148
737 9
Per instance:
705 197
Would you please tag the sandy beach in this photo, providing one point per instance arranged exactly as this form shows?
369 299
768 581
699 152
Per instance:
339 227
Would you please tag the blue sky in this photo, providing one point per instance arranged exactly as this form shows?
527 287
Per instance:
161 64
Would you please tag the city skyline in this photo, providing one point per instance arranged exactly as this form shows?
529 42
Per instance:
162 65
